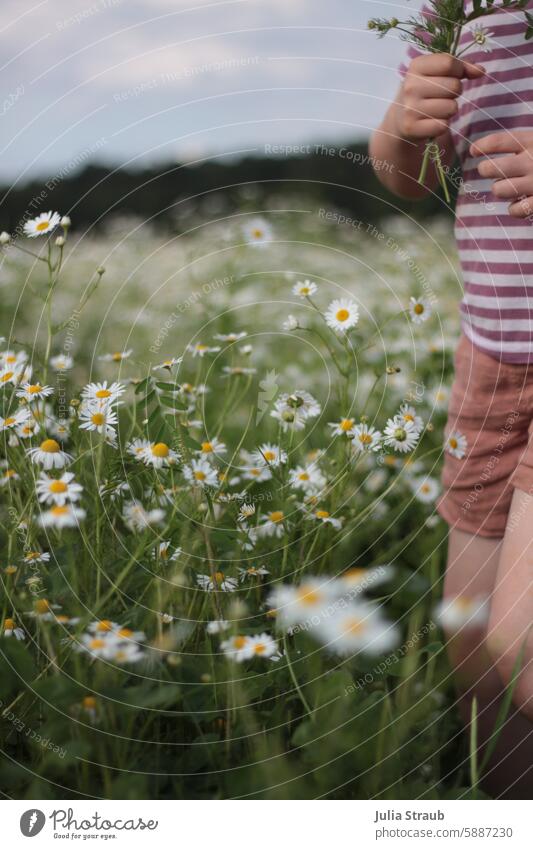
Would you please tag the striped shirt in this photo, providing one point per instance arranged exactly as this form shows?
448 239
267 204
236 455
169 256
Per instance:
495 250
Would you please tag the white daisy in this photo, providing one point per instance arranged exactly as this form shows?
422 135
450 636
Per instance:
168 364
460 612
11 629
262 645
257 231
64 516
342 314
43 224
307 478
361 627
200 350
425 489
408 413
230 337
306 603
200 473
160 455
96 417
102 393
366 438
305 288
238 371
34 391
326 518
217 582
456 444
138 448
401 436
49 455
344 427
8 477
246 512
137 518
164 552
18 418
237 648
290 323
252 572
211 448
217 626
44 610
116 356
37 557
481 37
61 362
419 310
269 455
58 490
273 524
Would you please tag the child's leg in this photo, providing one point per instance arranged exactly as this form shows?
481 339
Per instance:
473 563
511 623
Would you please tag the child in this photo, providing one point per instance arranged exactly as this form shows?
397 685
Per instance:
481 111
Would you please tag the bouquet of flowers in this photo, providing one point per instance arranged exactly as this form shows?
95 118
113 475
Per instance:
438 29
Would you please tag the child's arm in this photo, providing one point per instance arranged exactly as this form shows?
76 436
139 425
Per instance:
425 103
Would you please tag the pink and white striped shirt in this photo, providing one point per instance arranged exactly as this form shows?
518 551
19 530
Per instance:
495 250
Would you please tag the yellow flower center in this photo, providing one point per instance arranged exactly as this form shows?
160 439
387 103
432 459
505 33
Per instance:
34 388
201 347
354 574
259 648
32 555
125 632
257 233
207 447
58 486
322 514
239 642
304 290
42 225
418 309
11 360
303 476
276 516
365 438
102 393
354 626
269 455
199 476
104 625
9 421
98 419
117 356
50 446
219 577
408 417
453 442
7 376
97 643
59 511
42 605
9 624
10 570
160 449
342 315
10 473
255 472
346 424
89 702
308 596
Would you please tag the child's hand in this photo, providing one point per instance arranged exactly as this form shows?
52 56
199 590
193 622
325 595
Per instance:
429 93
513 175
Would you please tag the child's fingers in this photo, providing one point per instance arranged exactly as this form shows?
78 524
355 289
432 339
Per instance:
502 167
522 208
444 65
510 189
505 142
439 87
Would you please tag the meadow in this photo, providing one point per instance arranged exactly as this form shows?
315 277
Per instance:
221 561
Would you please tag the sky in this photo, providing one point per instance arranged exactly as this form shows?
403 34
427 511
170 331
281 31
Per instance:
142 81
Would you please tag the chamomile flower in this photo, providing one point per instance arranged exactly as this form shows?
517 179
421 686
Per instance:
408 414
325 517
168 364
481 37
290 323
359 628
15 360
344 427
34 392
218 582
269 455
273 524
58 490
238 371
61 362
102 393
425 489
257 231
342 314
304 603
262 645
294 410
237 648
49 455
460 612
137 518
37 557
401 436
62 516
200 350
251 572
211 448
96 417
43 224
217 626
11 629
116 356
138 448
419 310
307 478
16 420
160 455
456 444
246 512
200 473
8 376
8 477
305 289
439 396
43 610
230 337
366 438
252 471
165 552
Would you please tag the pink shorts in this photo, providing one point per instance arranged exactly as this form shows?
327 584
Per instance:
491 404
